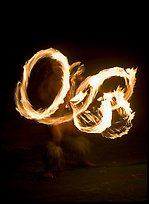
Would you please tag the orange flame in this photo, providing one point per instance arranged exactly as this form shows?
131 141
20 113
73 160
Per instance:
91 113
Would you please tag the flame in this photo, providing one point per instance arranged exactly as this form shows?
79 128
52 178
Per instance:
90 112
22 103
100 119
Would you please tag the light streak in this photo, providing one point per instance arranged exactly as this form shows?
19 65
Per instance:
91 113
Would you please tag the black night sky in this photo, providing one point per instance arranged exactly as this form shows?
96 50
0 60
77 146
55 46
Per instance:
96 48
98 44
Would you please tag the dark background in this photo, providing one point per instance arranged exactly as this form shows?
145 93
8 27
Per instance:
98 45
99 38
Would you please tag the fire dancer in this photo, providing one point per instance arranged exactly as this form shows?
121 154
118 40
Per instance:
65 96
67 145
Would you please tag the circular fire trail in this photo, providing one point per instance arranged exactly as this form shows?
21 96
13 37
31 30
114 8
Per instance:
92 109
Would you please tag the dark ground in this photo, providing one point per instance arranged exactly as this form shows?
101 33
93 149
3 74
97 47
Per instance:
114 183
120 174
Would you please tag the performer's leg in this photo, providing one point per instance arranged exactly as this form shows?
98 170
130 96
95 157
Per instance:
78 149
54 157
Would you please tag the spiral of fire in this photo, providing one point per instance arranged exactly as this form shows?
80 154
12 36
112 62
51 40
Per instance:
89 106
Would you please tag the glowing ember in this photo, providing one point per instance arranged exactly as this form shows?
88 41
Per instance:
91 109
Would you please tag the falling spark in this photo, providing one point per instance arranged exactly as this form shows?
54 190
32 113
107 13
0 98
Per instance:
90 112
